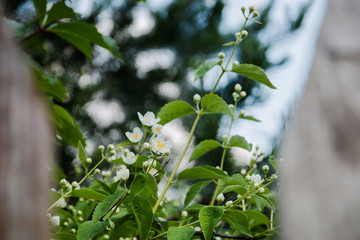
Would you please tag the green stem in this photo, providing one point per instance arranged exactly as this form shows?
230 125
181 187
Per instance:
81 181
271 219
169 182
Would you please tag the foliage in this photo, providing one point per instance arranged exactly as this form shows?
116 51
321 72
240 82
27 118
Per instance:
122 200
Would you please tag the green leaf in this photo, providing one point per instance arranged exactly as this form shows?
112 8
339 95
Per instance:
257 218
202 172
180 233
173 110
66 127
59 11
112 47
143 215
145 185
195 189
64 236
262 201
194 207
209 217
88 194
125 143
229 44
40 6
212 103
274 163
237 220
103 208
236 179
82 156
82 35
90 229
103 185
204 68
138 184
238 141
253 72
251 118
204 147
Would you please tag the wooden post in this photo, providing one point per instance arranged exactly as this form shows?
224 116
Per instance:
25 149
320 184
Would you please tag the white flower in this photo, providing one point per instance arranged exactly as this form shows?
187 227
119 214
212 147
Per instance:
55 220
123 174
220 197
158 144
228 203
105 173
156 129
130 158
62 203
148 119
256 179
135 136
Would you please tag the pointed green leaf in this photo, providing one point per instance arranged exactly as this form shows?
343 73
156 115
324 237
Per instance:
238 141
229 44
138 184
251 118
253 72
59 11
40 6
209 216
125 143
204 147
262 201
236 179
202 172
106 205
143 215
66 127
204 68
180 233
237 220
173 110
256 218
90 229
82 156
88 194
103 185
195 189
212 103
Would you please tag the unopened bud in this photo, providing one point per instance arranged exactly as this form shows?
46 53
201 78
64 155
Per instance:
63 182
97 171
79 212
221 55
235 96
255 14
80 219
243 171
251 9
110 147
248 178
147 146
196 99
274 176
74 184
261 190
112 153
73 230
243 9
101 148
220 198
242 113
237 87
228 203
89 160
184 214
244 33
242 94
238 35
111 224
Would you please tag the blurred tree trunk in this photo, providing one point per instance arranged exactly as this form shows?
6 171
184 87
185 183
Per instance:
25 146
321 170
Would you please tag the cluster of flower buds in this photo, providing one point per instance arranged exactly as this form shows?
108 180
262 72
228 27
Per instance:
251 11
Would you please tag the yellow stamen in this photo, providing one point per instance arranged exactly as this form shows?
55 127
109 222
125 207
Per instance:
135 136
160 145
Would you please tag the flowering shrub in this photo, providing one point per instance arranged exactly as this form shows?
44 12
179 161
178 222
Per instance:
123 201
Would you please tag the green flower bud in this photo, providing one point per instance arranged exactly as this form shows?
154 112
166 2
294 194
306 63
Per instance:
244 33
243 9
242 94
242 113
221 55
101 148
235 63
265 168
196 99
184 214
235 96
237 88
88 160
74 184
255 14
97 171
238 35
251 9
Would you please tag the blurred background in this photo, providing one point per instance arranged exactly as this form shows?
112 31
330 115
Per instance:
162 42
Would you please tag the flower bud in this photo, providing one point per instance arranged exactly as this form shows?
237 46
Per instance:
232 107
88 160
101 148
261 190
66 224
111 224
255 14
197 229
97 171
251 9
79 212
235 96
220 198
243 9
244 33
55 220
112 153
145 164
221 55
248 178
265 168
235 63
196 99
147 146
242 113
73 230
110 147
80 219
274 176
74 184
238 35
242 94
228 203
243 171
184 214
237 87
106 236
